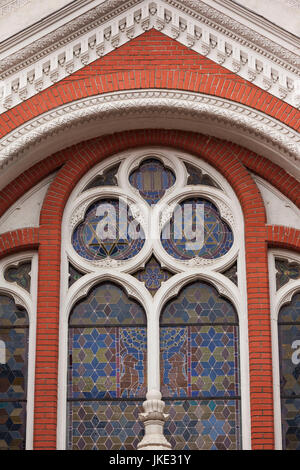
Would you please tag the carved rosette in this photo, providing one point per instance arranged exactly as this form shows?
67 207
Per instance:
154 419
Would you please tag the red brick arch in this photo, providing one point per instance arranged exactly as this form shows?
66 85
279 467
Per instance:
225 158
19 240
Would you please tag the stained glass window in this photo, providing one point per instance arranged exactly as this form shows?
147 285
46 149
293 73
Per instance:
13 374
200 370
74 274
196 229
196 176
153 275
19 274
152 180
286 271
107 370
289 353
231 273
108 231
108 178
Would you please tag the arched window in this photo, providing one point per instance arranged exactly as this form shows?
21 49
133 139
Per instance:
107 370
289 357
142 233
14 327
199 338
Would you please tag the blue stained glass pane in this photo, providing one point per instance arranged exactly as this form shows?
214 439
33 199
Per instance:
107 304
107 363
104 425
13 374
196 229
199 339
12 425
289 354
203 424
152 180
108 231
198 302
107 367
290 409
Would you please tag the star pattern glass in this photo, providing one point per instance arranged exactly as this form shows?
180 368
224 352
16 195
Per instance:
104 425
153 275
107 367
182 236
19 274
286 271
108 231
203 424
200 377
196 176
289 358
13 374
152 180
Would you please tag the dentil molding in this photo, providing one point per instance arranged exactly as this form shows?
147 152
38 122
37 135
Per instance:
185 106
193 23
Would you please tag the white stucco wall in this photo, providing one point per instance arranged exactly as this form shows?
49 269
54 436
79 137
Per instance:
283 13
17 15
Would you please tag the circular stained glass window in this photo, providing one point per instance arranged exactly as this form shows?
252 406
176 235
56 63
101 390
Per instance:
196 230
108 231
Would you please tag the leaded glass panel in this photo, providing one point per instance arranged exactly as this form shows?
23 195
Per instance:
108 231
152 180
196 176
153 275
196 230
107 370
108 178
13 374
289 354
286 271
19 274
200 374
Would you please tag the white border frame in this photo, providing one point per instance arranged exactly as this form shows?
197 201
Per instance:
228 204
29 302
277 299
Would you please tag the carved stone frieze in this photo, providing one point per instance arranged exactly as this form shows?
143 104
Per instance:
155 102
106 27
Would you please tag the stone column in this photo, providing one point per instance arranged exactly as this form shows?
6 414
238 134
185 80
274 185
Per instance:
154 419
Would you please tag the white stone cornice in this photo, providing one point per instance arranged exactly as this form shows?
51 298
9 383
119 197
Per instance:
91 117
98 31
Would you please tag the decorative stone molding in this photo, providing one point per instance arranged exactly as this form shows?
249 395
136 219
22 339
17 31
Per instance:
154 419
113 23
246 121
